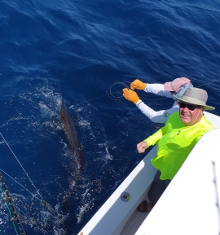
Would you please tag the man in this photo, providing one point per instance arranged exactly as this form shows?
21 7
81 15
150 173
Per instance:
178 85
175 141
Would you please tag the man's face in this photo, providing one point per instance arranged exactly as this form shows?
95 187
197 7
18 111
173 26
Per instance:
190 114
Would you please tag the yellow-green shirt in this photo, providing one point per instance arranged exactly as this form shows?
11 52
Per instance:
175 141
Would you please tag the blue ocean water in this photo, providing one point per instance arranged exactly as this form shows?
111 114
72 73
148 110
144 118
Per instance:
87 51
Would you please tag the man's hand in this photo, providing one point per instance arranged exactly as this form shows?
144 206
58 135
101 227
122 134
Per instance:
142 146
137 84
130 95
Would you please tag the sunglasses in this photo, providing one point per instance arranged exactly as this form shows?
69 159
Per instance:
191 107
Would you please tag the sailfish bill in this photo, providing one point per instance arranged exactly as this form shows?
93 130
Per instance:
75 147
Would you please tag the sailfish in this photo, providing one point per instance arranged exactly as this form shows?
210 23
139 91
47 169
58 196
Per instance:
75 147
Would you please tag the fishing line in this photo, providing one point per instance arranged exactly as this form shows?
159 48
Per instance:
33 195
208 83
10 201
8 210
53 212
114 93
108 91
26 217
21 166
121 93
37 191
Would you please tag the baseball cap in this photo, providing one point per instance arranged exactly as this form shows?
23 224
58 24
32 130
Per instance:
176 84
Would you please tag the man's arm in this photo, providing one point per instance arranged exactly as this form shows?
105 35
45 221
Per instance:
151 140
156 116
157 89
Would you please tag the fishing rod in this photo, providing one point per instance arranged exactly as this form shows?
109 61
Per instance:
8 197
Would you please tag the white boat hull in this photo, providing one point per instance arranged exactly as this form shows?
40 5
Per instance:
188 206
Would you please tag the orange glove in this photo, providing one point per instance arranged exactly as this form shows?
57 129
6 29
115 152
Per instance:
137 84
130 95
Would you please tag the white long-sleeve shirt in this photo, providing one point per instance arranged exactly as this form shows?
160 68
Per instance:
157 116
